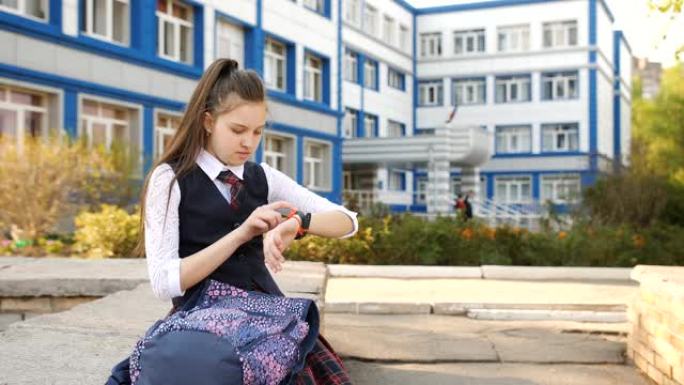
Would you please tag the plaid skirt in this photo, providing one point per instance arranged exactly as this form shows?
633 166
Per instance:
323 367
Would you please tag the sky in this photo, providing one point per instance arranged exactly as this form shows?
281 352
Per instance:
644 29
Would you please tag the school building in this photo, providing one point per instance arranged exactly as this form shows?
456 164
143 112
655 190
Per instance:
360 91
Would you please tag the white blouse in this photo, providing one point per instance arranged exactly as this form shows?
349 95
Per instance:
162 220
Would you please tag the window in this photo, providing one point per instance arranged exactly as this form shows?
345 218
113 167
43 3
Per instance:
397 180
430 93
23 113
396 79
316 165
513 139
388 30
275 65
230 42
352 12
469 91
560 34
351 122
421 190
370 20
513 89
106 125
513 38
370 68
351 66
561 188
455 186
430 45
469 42
313 78
107 20
560 137
395 129
175 33
31 8
315 5
279 153
560 86
404 38
513 189
165 129
370 125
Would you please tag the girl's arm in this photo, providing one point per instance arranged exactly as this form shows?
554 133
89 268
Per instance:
331 224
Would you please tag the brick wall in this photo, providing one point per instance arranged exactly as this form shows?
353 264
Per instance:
656 340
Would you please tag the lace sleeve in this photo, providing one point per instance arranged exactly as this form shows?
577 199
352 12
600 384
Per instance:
161 233
282 187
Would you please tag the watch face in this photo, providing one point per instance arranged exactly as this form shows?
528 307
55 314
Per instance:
284 212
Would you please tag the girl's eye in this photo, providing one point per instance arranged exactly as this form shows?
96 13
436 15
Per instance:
257 132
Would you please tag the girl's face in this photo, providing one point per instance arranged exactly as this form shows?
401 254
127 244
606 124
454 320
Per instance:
235 135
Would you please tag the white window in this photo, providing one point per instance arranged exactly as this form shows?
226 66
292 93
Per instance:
388 30
469 91
106 125
560 137
395 79
352 12
351 122
275 65
421 190
513 139
394 129
469 42
23 113
351 66
315 5
513 89
175 34
455 186
32 8
404 38
430 45
279 153
560 34
370 20
397 180
370 68
513 189
317 166
370 125
430 93
313 78
514 38
561 188
166 128
107 20
230 42
559 86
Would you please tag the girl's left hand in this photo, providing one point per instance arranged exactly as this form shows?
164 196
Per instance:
276 241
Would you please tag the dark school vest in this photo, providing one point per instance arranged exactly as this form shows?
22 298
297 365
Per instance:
205 216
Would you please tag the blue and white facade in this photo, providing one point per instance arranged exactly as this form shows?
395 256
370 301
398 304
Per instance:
546 81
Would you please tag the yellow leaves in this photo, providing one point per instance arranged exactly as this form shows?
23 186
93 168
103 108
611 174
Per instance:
562 235
111 232
639 241
467 233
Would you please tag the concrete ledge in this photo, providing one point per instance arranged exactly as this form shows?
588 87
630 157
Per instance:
463 308
378 308
544 315
530 273
379 271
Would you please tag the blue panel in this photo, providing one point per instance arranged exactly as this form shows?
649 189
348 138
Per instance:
535 186
617 98
361 130
405 5
198 30
55 11
70 112
148 138
593 99
300 159
336 193
415 74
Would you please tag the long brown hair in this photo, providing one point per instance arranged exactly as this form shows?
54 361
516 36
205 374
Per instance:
222 88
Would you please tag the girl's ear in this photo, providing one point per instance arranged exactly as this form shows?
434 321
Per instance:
208 122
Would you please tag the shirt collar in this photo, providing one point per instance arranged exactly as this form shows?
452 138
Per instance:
213 167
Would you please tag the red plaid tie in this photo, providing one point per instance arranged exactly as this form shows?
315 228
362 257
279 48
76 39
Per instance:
235 186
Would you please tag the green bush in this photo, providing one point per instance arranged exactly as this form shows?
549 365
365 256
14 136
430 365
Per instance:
411 240
111 232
